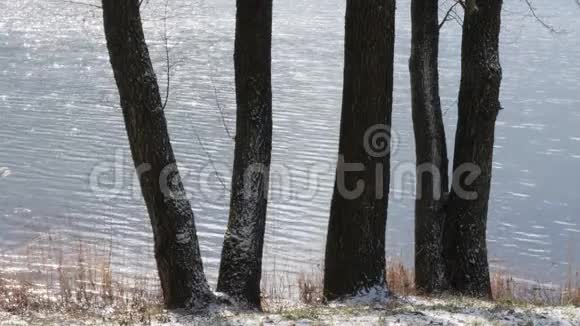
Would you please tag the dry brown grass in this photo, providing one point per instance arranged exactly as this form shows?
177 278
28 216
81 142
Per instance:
571 291
505 288
310 287
77 282
400 278
276 289
82 281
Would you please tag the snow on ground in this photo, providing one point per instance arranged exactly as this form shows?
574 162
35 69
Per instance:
409 311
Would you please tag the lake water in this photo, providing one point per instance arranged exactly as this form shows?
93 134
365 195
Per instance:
65 169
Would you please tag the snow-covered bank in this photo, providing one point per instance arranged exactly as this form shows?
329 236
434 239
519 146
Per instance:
408 311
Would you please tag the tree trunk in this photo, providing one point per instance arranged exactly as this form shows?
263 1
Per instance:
430 146
465 237
176 246
355 247
241 266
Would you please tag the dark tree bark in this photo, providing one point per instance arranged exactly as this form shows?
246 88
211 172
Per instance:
355 247
465 231
241 266
430 146
176 246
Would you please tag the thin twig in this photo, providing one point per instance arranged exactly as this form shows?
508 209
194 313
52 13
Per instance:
540 20
447 15
221 111
449 107
452 14
211 161
165 40
457 18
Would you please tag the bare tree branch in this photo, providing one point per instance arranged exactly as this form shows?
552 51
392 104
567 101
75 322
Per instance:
220 108
540 20
211 162
451 9
165 40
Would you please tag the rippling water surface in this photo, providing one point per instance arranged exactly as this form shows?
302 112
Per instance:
65 171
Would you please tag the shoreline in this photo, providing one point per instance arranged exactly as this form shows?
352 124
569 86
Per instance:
60 271
394 311
82 287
